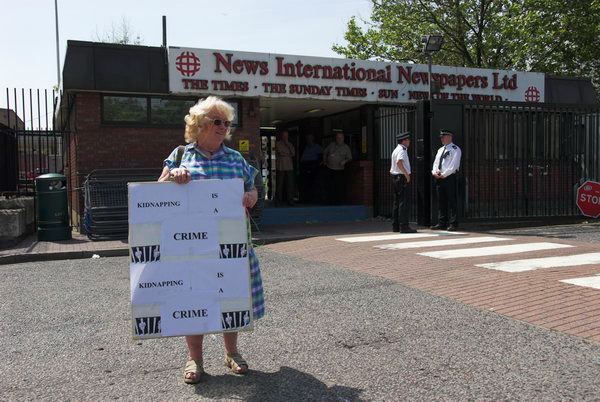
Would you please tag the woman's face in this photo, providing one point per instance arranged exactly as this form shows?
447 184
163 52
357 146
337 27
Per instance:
211 132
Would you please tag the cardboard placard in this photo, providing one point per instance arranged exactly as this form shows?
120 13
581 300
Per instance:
189 267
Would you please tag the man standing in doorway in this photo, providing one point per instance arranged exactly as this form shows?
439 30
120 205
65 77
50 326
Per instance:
284 159
400 171
445 166
309 163
335 157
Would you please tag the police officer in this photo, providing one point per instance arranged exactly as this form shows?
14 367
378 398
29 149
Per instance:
400 171
445 166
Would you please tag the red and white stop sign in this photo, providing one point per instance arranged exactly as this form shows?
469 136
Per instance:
588 198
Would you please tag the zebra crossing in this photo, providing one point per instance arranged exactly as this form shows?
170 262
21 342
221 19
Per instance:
437 243
540 263
494 250
402 236
453 239
590 281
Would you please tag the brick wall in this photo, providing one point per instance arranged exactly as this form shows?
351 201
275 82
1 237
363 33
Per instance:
359 185
250 129
97 146
101 147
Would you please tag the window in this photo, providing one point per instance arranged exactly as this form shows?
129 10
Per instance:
238 113
169 111
124 109
153 111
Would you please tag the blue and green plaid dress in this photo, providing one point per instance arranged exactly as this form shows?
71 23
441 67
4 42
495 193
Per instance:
225 164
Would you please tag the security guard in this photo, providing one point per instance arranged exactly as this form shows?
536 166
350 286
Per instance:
445 166
400 171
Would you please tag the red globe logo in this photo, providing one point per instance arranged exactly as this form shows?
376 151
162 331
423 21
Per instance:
532 95
187 64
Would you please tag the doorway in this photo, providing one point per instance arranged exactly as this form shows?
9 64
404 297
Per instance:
315 122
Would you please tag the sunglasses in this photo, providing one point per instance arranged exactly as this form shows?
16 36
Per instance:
218 122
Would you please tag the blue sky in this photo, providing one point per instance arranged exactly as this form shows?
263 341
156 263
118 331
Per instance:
28 46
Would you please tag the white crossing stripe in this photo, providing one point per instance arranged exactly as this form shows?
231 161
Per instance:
547 262
444 242
495 250
397 236
590 281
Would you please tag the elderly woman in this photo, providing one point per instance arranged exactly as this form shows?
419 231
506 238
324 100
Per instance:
205 157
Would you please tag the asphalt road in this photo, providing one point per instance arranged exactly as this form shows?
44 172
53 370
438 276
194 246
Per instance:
329 334
585 232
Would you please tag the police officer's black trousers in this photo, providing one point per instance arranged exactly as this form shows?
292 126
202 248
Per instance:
446 194
400 211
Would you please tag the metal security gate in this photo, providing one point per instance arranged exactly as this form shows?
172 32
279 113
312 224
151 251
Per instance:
390 121
33 124
519 160
523 160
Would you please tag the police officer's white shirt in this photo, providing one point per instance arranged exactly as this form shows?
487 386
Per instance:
450 163
400 154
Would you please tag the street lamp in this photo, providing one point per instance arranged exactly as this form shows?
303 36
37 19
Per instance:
57 43
431 44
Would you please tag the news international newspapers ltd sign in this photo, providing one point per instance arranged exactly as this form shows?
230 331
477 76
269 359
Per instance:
233 73
189 268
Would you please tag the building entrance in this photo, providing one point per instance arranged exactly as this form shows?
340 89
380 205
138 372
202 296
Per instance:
295 171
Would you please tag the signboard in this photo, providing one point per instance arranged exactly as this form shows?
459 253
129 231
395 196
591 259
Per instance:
246 74
588 198
189 268
244 146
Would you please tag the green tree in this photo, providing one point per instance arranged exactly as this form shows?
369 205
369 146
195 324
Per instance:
549 36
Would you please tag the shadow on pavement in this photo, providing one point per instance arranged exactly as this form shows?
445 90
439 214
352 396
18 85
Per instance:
287 384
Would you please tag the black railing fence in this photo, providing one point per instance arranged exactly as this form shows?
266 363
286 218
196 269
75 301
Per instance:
523 160
519 160
389 121
34 138
34 118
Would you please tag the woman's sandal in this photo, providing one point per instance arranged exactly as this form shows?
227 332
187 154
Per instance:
193 371
236 363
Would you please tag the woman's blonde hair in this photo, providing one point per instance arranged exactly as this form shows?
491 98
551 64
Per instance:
196 120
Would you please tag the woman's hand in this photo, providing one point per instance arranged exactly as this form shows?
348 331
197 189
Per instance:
250 198
180 175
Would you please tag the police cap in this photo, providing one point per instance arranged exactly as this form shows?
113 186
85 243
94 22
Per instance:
403 136
444 132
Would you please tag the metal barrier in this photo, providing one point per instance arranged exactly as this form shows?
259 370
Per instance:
257 211
106 201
